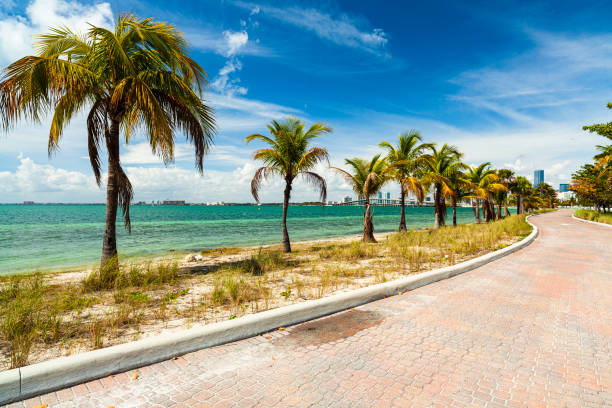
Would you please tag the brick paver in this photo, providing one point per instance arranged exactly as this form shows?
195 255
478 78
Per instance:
533 329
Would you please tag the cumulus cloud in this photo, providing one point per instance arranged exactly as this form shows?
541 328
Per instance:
48 183
31 179
18 32
235 40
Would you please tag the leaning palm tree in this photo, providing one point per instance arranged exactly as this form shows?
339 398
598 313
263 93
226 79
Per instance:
366 178
403 158
437 168
137 76
289 156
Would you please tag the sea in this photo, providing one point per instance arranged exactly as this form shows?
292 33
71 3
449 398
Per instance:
53 237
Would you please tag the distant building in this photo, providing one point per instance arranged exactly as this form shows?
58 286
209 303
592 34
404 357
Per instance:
173 202
563 188
565 195
388 195
380 194
28 202
538 177
348 199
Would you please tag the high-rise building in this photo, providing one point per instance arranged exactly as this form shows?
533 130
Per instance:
348 199
538 177
380 194
563 188
388 195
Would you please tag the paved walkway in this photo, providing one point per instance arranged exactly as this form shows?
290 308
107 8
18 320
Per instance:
532 329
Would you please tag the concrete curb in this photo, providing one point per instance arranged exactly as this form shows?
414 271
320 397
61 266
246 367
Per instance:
592 222
25 382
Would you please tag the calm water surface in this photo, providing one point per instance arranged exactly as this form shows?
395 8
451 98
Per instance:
52 237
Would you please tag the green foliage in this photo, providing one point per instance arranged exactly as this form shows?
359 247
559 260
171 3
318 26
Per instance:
590 215
289 155
135 76
111 277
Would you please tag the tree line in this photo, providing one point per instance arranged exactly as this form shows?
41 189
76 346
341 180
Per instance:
592 183
418 168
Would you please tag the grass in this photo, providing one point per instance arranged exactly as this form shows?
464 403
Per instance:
111 305
591 215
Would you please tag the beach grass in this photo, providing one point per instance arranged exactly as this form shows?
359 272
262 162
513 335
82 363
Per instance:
591 215
42 316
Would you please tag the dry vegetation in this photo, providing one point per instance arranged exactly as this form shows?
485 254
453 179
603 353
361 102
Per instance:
46 316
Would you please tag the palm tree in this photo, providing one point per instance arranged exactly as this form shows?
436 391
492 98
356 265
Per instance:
136 76
461 190
289 156
367 178
485 185
476 176
438 167
520 188
403 159
506 178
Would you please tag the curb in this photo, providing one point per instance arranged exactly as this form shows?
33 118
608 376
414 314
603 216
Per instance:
592 222
40 378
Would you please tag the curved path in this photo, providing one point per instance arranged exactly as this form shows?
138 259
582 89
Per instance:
532 329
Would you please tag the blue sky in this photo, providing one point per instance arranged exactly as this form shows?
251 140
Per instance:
511 83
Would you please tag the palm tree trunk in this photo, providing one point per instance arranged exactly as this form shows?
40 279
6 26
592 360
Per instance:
402 225
476 208
287 195
506 211
485 216
439 216
109 245
368 225
520 204
454 213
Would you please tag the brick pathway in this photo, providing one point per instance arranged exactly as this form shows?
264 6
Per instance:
532 329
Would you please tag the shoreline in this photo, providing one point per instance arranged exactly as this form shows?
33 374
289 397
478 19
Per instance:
152 299
179 255
56 240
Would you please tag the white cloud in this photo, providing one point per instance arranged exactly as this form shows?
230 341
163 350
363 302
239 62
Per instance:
47 183
224 84
340 29
30 179
18 32
235 41
557 76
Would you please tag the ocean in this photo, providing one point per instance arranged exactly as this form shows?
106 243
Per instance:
56 237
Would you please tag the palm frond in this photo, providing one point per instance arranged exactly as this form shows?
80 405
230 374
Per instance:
318 182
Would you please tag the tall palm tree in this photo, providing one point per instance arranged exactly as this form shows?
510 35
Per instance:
437 167
520 188
135 76
506 178
403 159
484 187
461 190
367 178
289 156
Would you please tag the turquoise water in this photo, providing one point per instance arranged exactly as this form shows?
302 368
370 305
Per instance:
52 237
